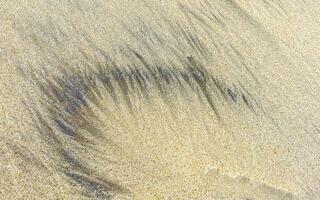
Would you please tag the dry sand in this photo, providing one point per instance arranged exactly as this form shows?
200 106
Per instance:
177 149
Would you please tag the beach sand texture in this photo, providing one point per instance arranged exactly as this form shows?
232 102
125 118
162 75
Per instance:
176 99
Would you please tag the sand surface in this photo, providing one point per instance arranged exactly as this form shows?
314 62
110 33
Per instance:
174 147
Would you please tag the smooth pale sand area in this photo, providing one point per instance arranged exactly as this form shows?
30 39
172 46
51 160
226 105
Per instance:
176 99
